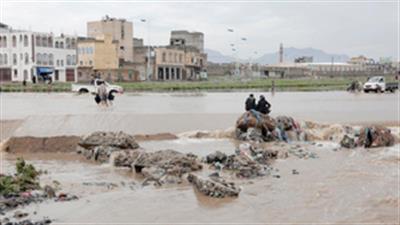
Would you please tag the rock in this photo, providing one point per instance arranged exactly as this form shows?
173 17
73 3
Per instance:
216 157
214 187
295 172
49 191
119 140
262 126
375 136
18 214
348 142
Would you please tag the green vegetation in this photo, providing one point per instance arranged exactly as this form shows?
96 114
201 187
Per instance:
213 84
26 178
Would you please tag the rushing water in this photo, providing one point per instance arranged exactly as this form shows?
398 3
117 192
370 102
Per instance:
345 186
67 113
348 186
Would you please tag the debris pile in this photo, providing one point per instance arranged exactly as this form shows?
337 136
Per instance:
99 145
214 186
254 126
369 137
247 162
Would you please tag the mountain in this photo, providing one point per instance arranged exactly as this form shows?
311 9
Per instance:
217 57
289 54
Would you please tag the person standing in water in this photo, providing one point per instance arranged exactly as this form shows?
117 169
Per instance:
102 92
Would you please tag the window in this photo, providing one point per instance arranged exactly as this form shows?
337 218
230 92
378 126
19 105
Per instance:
61 44
14 59
5 59
81 63
50 42
26 58
56 44
44 41
175 57
20 38
73 59
73 43
164 56
1 59
68 60
62 62
90 62
14 41
15 73
38 41
169 57
180 58
26 40
58 62
39 58
51 59
1 41
21 57
67 43
45 59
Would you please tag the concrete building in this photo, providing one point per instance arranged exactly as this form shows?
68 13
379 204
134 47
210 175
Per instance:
34 56
119 29
189 39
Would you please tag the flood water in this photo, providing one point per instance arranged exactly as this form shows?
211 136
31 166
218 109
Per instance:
356 186
67 113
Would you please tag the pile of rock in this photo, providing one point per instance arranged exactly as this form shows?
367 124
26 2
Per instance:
257 127
100 145
368 137
214 186
247 162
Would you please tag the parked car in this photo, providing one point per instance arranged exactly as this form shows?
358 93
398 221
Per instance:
92 88
378 84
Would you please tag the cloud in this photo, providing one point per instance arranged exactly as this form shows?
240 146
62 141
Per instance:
349 28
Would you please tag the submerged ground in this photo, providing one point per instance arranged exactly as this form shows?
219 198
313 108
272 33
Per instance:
340 186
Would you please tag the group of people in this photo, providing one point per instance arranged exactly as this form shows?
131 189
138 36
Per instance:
262 106
103 97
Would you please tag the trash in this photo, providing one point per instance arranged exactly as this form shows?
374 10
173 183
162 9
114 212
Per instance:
348 142
214 186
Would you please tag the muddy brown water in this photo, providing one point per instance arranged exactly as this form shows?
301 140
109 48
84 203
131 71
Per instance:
52 114
345 186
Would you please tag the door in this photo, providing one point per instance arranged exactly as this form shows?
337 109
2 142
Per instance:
70 75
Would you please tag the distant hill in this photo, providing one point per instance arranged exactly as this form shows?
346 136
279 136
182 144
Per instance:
289 55
217 57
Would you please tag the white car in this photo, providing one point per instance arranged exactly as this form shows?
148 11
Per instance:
376 84
92 88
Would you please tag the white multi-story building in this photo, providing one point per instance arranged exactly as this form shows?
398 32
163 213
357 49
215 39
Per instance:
33 56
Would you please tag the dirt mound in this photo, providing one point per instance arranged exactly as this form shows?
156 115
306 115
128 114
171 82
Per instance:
41 144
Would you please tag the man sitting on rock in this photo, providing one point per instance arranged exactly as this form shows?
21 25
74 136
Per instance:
250 103
263 105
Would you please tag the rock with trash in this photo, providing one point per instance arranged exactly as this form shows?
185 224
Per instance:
100 145
369 137
257 127
214 186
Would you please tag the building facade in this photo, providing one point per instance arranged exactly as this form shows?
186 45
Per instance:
119 29
189 39
34 56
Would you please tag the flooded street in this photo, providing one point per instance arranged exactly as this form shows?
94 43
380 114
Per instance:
344 186
71 114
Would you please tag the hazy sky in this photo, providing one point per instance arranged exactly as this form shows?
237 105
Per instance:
353 28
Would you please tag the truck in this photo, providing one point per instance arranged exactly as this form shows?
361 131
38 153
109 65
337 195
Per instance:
92 88
378 84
